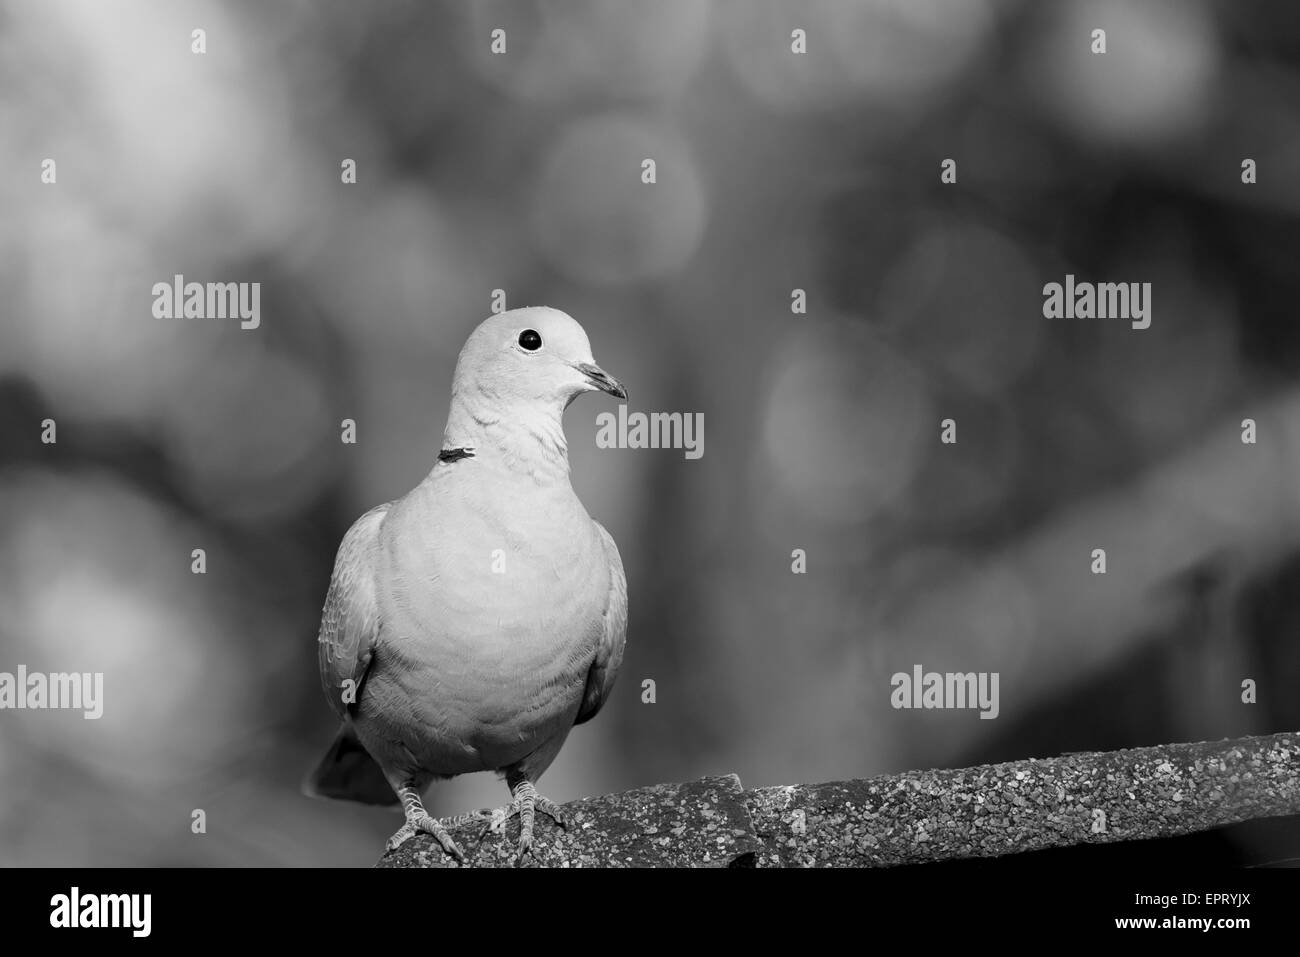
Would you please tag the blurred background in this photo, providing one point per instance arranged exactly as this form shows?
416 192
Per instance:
522 172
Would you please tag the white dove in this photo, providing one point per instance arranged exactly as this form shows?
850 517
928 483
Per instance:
471 623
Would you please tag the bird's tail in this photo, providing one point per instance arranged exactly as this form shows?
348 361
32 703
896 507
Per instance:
349 773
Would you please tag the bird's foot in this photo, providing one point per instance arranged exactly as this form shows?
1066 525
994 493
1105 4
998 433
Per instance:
426 824
527 802
419 821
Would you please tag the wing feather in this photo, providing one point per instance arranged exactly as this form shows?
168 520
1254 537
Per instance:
349 623
609 652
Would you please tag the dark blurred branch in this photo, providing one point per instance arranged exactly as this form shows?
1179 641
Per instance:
910 818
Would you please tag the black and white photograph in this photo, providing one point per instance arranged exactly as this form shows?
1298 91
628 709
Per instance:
639 436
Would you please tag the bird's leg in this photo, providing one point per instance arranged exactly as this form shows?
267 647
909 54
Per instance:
525 804
418 819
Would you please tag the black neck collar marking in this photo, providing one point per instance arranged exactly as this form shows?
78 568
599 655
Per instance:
455 455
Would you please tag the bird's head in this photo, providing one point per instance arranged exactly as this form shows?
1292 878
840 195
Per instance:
533 356
516 375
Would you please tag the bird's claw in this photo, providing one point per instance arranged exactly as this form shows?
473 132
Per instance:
426 824
499 817
523 807
553 811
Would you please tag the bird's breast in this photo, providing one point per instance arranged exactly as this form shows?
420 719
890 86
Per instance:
491 613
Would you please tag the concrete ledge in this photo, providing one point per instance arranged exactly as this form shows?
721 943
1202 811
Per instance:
909 818
702 823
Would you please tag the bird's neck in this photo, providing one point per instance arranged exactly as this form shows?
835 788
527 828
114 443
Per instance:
523 439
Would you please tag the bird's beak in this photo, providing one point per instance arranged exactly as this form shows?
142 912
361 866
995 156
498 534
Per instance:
602 380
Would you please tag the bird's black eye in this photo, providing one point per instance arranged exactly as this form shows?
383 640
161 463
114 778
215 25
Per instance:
530 340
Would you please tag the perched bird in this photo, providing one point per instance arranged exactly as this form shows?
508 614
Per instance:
470 624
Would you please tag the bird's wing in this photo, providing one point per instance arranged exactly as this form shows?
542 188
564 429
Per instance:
349 622
609 653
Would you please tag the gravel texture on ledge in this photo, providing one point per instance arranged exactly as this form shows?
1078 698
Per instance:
701 823
909 818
